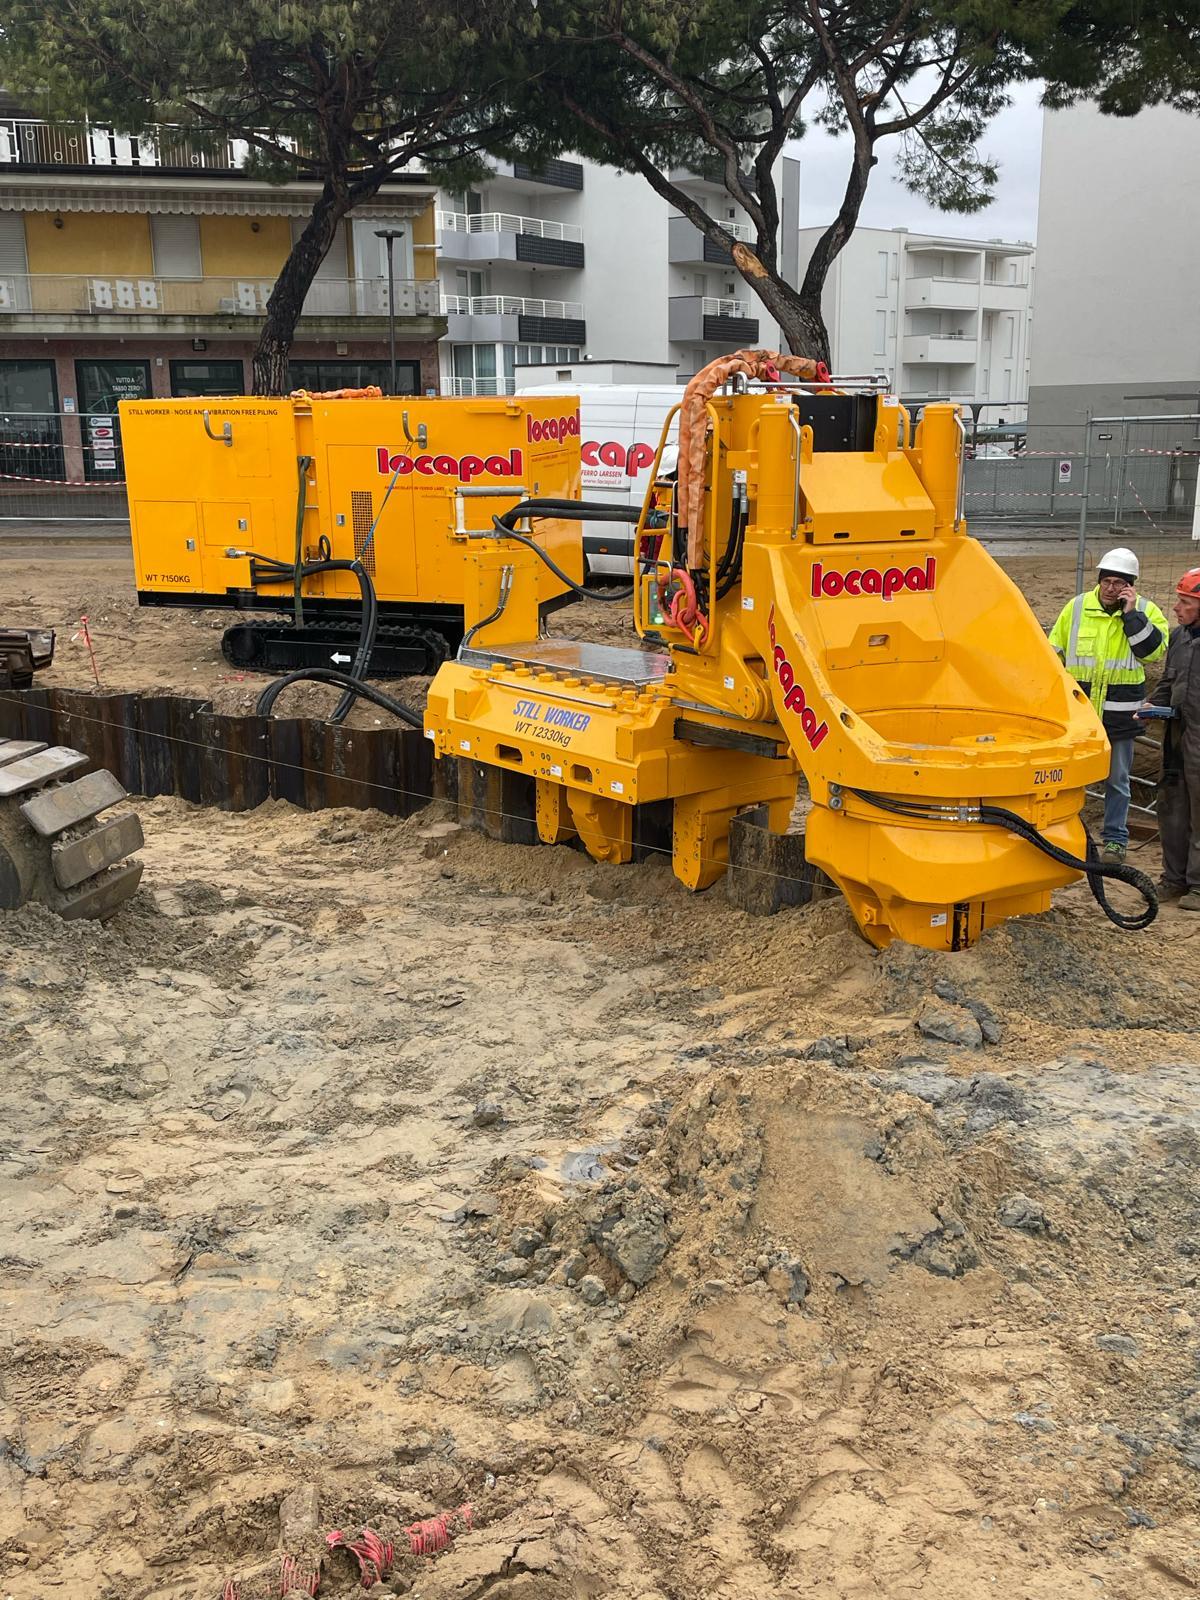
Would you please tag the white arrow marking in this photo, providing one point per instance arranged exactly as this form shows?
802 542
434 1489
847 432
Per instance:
335 658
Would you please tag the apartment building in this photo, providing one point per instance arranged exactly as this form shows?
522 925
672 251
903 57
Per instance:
1118 318
946 318
578 261
132 268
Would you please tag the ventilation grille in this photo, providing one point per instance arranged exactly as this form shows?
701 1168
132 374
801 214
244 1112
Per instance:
362 514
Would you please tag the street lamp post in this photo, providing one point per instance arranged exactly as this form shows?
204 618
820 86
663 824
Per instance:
389 236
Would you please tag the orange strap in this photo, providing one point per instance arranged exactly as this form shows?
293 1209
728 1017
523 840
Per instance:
693 425
371 392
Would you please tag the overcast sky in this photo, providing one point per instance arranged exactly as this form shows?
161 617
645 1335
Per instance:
1014 140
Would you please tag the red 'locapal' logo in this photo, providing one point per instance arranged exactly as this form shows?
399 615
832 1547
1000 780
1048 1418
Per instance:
793 695
870 580
612 453
464 468
556 428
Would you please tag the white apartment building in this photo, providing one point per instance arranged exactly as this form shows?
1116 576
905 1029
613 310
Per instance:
578 261
945 318
1118 313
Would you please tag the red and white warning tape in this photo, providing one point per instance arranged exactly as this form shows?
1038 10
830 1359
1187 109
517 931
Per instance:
62 483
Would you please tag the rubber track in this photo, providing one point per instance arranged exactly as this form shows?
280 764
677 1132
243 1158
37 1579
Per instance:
345 635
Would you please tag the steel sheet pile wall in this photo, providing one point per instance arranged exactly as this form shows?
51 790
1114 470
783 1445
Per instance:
169 744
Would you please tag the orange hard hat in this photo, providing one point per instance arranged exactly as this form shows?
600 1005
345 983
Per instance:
1189 585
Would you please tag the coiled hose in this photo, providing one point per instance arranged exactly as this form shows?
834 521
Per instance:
1093 868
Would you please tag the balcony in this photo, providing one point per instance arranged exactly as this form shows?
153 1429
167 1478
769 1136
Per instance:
512 319
696 319
944 294
498 236
473 386
940 350
535 180
44 301
36 146
1005 296
688 247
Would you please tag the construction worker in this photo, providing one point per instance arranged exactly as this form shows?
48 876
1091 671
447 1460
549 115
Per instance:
1104 638
1179 796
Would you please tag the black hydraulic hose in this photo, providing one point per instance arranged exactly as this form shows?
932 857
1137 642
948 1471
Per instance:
569 511
588 594
367 627
727 579
506 575
1093 868
353 687
303 463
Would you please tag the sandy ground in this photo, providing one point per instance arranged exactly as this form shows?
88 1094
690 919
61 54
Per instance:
703 1255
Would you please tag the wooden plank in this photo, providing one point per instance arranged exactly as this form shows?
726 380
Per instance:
34 771
101 896
49 813
17 749
77 859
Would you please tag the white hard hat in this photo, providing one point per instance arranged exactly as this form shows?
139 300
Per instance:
1120 561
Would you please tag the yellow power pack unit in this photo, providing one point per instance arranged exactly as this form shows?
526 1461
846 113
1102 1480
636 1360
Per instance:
223 493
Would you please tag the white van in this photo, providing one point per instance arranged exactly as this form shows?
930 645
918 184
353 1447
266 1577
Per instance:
619 429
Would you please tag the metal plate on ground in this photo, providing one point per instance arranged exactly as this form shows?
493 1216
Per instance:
17 749
34 771
48 814
602 663
83 858
100 896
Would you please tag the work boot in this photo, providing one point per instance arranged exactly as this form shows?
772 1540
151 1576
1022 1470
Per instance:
1170 891
1190 901
1113 851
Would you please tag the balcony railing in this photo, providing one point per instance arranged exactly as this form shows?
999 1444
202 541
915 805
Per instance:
501 305
507 222
52 294
26 142
724 308
471 386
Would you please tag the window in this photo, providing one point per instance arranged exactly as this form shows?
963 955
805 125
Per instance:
176 242
190 379
1011 337
469 283
881 260
892 328
881 333
102 385
473 369
1007 395
14 282
317 376
30 431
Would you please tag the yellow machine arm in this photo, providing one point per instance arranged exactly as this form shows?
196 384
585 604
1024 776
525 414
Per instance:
830 618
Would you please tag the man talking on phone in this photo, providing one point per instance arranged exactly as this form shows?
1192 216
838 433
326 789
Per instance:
1105 637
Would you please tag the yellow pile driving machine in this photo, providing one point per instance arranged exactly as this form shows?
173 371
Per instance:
812 605
806 599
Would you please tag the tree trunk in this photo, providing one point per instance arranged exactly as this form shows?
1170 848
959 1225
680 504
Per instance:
270 364
799 317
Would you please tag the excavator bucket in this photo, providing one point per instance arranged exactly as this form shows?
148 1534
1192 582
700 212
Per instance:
55 847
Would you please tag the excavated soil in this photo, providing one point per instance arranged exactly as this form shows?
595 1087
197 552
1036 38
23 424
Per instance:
362 1169
702 1255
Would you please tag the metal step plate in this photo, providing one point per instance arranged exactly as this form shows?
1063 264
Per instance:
17 749
34 771
49 813
83 858
604 663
